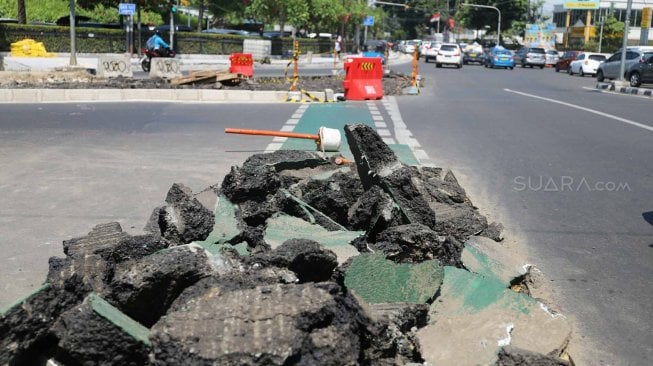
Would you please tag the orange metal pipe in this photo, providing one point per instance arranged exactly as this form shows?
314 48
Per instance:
244 131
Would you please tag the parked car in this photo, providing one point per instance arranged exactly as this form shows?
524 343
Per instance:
642 71
229 31
586 63
449 54
565 60
431 52
499 57
178 28
531 56
552 57
611 68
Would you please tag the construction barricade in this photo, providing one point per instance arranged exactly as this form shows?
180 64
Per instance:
242 63
364 78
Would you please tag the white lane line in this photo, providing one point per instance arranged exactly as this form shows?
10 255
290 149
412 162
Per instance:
383 132
389 140
277 142
274 146
380 125
403 135
616 118
375 112
377 118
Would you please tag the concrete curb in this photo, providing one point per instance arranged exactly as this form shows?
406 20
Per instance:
140 95
619 87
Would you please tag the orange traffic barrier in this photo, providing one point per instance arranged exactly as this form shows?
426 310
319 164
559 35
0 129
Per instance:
363 78
242 63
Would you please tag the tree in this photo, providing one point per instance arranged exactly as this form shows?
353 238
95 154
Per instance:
479 18
22 15
294 12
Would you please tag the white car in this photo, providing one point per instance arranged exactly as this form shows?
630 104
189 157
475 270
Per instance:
449 54
431 51
586 63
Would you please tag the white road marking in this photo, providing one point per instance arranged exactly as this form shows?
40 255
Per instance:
380 125
279 139
292 121
377 118
616 118
383 132
403 134
277 142
274 146
389 140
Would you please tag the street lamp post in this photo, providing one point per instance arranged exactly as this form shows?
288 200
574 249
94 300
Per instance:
499 23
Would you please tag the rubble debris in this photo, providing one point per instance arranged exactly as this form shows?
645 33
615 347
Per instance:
416 243
511 356
183 220
378 166
97 333
493 231
209 77
310 323
308 290
24 327
307 258
145 289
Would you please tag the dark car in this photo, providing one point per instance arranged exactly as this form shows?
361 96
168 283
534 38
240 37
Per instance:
531 56
642 71
178 28
473 55
565 60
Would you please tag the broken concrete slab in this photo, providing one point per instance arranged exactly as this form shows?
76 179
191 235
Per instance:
145 289
24 326
88 258
95 332
416 243
378 166
307 258
282 227
487 258
458 220
312 323
378 280
183 220
225 228
512 356
483 315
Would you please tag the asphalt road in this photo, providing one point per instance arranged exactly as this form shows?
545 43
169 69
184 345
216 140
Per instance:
574 186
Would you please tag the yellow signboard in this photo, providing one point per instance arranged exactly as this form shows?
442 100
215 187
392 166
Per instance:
646 17
579 32
581 4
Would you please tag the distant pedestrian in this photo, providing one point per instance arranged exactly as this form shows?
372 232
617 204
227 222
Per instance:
338 45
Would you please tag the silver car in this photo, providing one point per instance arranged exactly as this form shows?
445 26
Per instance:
530 56
611 68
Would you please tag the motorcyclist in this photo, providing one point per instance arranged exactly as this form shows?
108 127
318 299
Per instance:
157 44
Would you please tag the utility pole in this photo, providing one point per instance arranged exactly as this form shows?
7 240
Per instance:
73 51
624 43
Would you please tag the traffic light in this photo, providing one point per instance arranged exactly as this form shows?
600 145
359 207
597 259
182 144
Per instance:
173 8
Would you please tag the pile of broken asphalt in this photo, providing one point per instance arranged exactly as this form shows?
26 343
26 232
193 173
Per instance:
393 83
291 260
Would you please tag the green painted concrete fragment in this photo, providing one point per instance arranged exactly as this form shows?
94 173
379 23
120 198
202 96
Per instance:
477 292
378 280
119 319
312 211
283 227
20 301
225 228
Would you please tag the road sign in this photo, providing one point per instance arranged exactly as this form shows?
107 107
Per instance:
581 4
368 21
126 9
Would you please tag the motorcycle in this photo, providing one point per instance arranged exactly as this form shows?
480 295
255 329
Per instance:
148 54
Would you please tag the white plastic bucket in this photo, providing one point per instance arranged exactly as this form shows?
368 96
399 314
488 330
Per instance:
329 139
